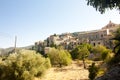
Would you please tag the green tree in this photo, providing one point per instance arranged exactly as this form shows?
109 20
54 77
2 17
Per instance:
77 52
81 52
102 5
59 57
24 65
101 52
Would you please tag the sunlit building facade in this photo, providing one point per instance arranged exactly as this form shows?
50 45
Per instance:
95 37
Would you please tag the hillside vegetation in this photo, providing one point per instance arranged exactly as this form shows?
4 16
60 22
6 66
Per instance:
23 65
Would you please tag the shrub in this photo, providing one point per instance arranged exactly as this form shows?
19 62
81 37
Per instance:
59 57
101 52
93 71
113 61
24 65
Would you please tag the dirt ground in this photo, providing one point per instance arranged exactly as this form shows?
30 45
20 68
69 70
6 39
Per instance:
72 72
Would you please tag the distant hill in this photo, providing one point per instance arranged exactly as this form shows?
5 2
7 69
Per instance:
27 47
5 51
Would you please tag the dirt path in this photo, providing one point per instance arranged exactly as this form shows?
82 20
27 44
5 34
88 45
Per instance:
72 72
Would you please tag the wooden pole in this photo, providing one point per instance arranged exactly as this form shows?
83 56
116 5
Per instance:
15 44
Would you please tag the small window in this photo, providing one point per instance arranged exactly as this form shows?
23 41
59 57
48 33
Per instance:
101 35
98 42
93 44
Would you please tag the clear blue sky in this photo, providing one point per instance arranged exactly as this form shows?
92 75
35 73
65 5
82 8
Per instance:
34 20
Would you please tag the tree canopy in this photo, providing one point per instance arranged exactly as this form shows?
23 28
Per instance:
80 51
102 5
24 65
102 51
59 57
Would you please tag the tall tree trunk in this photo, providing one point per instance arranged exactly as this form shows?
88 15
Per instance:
84 63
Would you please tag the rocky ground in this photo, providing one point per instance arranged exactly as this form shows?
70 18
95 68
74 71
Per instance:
72 72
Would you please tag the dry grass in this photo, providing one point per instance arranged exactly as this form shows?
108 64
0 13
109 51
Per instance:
72 72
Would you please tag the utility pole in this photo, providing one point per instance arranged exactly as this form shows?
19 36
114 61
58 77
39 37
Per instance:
15 44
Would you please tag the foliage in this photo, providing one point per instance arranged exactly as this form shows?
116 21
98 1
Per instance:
53 45
59 57
116 58
102 5
89 47
81 51
24 65
101 71
117 42
113 61
38 48
93 71
101 52
105 54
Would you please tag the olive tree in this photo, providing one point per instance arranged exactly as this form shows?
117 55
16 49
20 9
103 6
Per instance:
81 52
59 57
101 52
24 65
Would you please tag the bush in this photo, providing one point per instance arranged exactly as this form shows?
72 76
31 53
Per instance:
101 52
25 65
59 57
113 61
93 71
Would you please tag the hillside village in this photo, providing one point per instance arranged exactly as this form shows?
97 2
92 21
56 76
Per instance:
70 40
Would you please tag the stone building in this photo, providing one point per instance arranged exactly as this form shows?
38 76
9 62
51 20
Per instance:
99 37
59 39
70 40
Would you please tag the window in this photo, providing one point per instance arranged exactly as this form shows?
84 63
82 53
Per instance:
93 44
102 35
98 42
